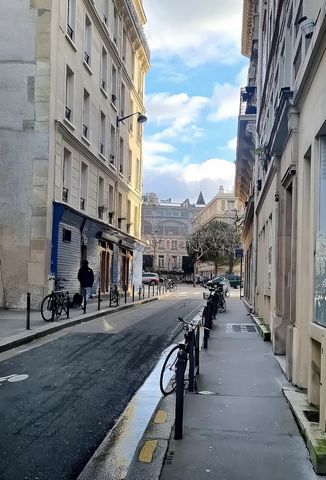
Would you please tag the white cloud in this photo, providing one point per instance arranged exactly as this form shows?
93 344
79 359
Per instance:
186 180
232 144
197 32
178 111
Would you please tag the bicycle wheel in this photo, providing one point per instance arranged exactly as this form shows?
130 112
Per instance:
173 287
46 308
167 384
221 305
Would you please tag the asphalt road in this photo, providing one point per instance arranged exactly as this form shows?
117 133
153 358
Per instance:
78 385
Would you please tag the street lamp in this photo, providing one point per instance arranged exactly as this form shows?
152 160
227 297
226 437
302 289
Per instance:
140 119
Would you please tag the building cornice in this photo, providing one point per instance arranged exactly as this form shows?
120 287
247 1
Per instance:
247 27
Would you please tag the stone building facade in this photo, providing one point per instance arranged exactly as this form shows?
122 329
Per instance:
71 182
280 174
165 227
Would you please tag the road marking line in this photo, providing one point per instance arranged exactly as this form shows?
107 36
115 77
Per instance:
146 453
160 416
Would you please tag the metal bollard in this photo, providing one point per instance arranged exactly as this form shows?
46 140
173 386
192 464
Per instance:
133 293
197 348
139 293
110 298
143 292
28 312
125 293
191 361
149 290
206 330
68 304
85 302
99 299
53 302
180 378
209 313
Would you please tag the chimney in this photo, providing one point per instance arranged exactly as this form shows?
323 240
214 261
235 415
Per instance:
221 189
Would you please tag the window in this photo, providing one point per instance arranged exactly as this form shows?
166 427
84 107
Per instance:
121 153
69 94
122 100
138 174
129 165
111 203
136 221
115 26
119 210
66 175
131 119
174 244
86 113
104 72
124 45
66 235
223 205
100 198
102 134
71 17
114 85
297 60
139 132
112 145
174 261
161 261
106 12
320 248
83 186
88 41
129 216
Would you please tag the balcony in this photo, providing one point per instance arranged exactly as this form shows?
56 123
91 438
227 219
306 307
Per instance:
248 100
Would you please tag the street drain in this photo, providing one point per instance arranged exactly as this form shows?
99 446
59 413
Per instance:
311 416
240 328
169 457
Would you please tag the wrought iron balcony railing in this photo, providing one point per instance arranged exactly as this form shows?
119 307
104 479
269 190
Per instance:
68 113
248 100
85 130
70 31
65 194
82 203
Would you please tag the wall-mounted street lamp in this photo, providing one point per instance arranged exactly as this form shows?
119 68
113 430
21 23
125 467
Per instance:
140 119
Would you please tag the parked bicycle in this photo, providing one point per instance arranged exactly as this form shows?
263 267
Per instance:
216 294
114 295
56 302
171 285
188 349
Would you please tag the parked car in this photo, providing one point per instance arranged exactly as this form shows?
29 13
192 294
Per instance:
234 280
150 278
220 282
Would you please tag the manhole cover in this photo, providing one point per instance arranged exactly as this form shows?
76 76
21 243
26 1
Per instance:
312 416
240 328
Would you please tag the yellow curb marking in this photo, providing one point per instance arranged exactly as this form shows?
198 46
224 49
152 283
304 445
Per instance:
160 417
146 453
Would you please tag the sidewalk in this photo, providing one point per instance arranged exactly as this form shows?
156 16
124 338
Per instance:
13 330
240 427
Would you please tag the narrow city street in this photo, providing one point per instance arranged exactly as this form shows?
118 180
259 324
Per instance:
76 383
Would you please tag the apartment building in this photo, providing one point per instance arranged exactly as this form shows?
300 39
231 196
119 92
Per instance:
72 88
165 227
280 174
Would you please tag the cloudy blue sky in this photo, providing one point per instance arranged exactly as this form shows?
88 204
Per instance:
192 96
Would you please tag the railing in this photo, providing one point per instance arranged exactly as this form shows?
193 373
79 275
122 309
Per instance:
70 31
103 84
85 130
101 148
86 58
65 194
68 113
248 100
82 203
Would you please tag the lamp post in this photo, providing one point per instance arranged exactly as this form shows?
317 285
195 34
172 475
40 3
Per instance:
140 119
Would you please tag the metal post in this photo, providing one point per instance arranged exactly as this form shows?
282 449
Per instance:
110 298
143 292
52 306
125 293
240 275
209 313
191 361
197 349
180 378
68 304
133 293
99 299
28 312
149 290
139 292
153 291
206 330
85 302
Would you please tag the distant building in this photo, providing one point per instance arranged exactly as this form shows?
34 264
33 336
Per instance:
165 227
224 207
